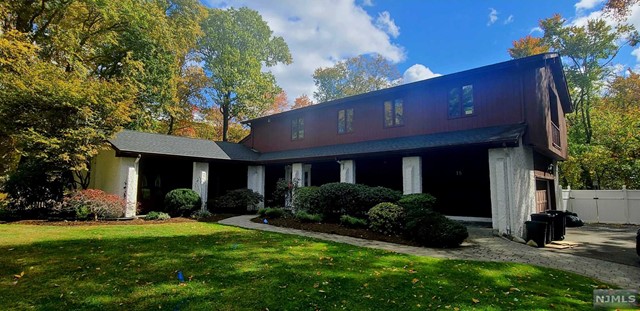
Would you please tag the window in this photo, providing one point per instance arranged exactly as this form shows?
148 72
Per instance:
393 113
461 101
345 121
297 128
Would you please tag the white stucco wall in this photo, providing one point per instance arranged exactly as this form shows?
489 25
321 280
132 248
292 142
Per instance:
348 171
411 175
200 181
256 180
513 188
296 173
116 175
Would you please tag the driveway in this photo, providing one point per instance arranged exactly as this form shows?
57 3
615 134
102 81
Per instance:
614 243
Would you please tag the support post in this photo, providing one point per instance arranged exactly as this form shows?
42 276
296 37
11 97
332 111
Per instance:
411 175
200 181
129 176
348 171
297 171
256 180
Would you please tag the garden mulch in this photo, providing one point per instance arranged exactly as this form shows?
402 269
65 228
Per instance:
137 221
333 228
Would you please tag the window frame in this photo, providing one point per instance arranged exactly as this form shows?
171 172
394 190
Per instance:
297 128
347 127
462 101
395 122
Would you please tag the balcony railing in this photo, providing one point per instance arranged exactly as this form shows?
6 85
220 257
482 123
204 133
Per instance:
555 136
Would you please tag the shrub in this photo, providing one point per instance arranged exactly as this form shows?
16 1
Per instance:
201 214
92 202
181 201
386 218
157 216
308 199
306 217
430 228
417 201
271 212
340 198
34 189
371 196
353 222
237 201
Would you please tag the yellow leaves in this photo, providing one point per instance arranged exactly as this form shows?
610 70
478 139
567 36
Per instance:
474 300
18 276
414 281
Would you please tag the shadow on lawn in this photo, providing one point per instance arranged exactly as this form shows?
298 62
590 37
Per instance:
241 269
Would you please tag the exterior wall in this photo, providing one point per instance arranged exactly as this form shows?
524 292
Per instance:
497 101
200 181
512 188
604 206
117 175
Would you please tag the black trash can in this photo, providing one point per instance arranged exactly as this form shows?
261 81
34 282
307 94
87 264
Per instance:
548 219
559 224
536 231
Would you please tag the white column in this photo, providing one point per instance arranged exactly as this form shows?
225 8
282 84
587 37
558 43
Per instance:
513 188
200 181
297 174
129 179
348 171
411 175
256 180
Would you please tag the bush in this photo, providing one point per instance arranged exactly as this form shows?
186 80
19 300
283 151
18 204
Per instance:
271 212
157 216
371 196
417 201
201 214
237 201
92 202
337 199
308 199
386 218
353 222
430 228
306 217
181 201
34 189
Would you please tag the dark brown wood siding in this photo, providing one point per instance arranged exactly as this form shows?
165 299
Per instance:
498 100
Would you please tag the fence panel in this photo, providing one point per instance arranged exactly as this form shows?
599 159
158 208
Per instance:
604 206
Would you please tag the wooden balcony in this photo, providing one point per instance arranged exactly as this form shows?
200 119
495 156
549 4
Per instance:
555 136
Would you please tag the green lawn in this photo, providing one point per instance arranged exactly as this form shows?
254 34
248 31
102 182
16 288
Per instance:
134 267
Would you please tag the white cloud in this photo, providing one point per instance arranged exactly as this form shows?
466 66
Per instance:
587 4
636 53
493 16
367 3
535 29
418 72
319 33
509 20
387 24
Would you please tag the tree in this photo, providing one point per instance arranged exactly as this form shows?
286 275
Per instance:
280 104
237 44
302 101
527 46
357 75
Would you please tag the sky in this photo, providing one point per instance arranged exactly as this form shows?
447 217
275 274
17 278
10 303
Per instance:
423 38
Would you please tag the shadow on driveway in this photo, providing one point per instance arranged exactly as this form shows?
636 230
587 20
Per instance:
615 243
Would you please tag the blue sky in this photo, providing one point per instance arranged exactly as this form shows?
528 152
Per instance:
424 38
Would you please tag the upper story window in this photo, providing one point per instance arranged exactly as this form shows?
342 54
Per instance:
345 121
461 101
393 113
297 128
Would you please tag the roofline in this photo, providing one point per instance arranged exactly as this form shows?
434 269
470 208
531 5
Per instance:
506 64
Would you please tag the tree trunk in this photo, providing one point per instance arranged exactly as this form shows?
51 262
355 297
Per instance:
225 115
171 122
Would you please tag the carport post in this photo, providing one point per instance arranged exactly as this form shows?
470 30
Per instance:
348 171
256 180
200 181
411 175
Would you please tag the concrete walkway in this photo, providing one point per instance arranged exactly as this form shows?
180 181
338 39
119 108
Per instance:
484 247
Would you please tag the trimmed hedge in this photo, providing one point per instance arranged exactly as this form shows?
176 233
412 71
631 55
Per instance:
386 218
237 201
308 199
353 222
417 201
182 201
430 228
335 199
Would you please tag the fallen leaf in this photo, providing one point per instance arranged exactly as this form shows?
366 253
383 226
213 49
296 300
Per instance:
475 300
414 281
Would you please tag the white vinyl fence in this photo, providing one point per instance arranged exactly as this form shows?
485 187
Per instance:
604 206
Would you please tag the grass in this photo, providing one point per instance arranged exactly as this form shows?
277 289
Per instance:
134 267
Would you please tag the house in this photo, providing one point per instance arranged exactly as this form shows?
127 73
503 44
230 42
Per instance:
485 142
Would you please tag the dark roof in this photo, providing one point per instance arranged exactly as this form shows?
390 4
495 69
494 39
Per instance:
552 59
508 135
134 142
